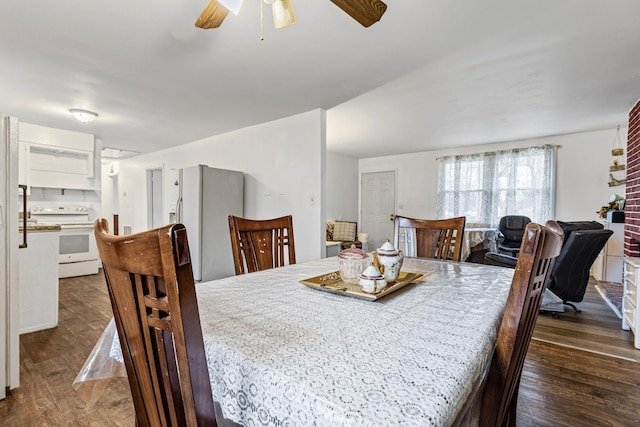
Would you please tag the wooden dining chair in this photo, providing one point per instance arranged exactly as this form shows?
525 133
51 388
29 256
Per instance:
153 297
261 244
540 246
434 238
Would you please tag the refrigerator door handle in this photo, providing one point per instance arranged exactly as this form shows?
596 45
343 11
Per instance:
24 216
179 210
179 183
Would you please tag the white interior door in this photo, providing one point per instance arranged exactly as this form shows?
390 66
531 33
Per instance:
378 201
155 203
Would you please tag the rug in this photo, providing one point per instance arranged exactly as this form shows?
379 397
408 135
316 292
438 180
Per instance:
612 294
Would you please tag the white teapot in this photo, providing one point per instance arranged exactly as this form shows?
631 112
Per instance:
372 281
390 261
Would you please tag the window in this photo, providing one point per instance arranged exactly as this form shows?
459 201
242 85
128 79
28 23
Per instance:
487 186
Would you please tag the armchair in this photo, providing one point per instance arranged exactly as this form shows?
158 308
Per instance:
345 232
583 241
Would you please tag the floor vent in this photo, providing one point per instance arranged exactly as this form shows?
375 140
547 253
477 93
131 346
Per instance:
126 229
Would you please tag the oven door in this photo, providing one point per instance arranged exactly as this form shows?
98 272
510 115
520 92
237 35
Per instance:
77 243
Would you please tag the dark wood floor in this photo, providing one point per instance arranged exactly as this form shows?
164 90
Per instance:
51 359
581 370
560 386
596 328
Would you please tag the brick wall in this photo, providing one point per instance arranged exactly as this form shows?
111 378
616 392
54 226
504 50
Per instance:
632 203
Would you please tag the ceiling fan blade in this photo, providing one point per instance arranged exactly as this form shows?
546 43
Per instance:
212 15
366 12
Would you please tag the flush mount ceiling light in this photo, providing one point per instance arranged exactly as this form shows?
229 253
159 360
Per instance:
366 12
84 116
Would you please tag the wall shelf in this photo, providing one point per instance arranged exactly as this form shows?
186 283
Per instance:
613 182
617 151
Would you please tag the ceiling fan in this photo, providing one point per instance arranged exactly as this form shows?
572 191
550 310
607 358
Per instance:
366 12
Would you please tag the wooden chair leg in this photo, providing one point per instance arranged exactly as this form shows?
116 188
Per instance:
513 409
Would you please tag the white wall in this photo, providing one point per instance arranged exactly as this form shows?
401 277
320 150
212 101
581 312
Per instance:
342 187
284 166
582 173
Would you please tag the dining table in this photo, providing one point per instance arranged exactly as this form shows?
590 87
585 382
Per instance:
280 353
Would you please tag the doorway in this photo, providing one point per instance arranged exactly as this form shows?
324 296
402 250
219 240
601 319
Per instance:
154 198
377 206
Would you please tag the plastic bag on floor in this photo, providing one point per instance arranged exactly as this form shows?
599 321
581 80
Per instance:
551 302
104 362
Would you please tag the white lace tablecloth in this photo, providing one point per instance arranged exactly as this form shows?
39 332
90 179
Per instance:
475 236
280 353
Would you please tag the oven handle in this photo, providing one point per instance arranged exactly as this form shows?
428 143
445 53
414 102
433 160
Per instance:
76 227
24 216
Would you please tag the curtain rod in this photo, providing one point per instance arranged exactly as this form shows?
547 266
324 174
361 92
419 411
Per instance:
500 151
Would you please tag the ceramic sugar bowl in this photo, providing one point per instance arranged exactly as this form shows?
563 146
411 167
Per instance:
390 260
372 281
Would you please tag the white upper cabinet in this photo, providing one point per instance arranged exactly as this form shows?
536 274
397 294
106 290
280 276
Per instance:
55 158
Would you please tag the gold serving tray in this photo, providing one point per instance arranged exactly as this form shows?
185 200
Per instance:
331 282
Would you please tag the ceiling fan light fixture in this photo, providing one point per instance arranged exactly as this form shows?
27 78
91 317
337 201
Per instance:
85 116
232 5
283 14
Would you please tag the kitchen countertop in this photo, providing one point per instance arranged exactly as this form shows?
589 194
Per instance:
38 227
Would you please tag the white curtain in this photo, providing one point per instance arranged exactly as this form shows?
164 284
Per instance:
484 187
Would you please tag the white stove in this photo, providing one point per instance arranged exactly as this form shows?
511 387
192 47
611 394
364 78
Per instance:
78 254
61 213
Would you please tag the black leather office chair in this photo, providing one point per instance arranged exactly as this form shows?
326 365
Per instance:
583 241
510 232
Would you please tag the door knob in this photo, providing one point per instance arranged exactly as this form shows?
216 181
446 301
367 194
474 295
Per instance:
392 217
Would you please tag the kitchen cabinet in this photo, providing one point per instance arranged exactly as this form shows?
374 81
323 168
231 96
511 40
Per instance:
614 253
608 266
38 280
56 158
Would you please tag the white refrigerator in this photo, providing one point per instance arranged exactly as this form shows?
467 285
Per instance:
9 242
206 198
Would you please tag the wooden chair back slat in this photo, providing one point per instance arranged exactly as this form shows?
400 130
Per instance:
438 238
152 294
261 244
540 246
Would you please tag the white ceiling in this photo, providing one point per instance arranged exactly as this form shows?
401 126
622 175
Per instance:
431 74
